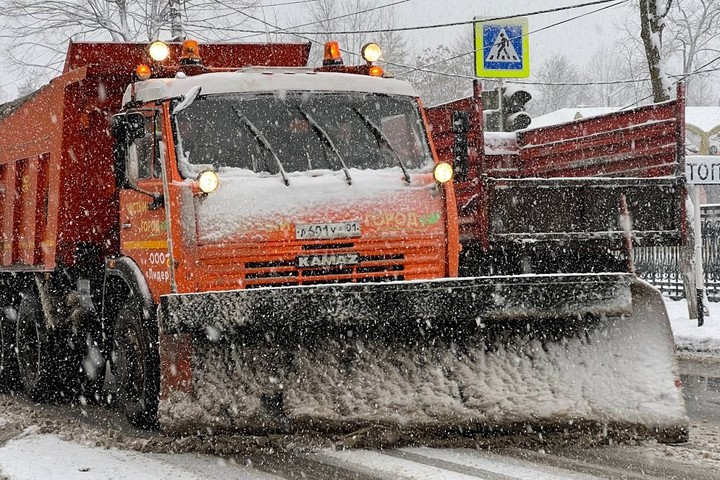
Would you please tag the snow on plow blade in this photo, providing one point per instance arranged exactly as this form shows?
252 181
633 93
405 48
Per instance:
488 354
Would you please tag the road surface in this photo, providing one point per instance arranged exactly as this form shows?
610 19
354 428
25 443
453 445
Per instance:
77 435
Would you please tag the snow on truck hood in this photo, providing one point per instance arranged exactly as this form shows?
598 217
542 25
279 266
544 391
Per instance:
266 80
247 207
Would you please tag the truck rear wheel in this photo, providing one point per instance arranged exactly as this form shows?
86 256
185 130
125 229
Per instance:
136 367
33 349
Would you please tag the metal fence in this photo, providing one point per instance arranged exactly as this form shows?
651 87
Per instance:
661 265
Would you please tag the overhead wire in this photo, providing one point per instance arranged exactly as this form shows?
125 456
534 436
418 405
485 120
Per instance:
293 2
699 70
438 25
303 35
338 17
474 51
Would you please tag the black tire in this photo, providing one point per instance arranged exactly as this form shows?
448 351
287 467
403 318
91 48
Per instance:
9 374
34 352
135 364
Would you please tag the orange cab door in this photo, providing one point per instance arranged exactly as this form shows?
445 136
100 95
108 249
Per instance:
143 221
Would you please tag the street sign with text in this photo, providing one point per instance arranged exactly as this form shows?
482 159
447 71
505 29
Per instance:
702 170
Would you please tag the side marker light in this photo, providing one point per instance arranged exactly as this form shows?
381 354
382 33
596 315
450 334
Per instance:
376 71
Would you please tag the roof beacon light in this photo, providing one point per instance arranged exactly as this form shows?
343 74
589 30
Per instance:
332 54
371 52
143 71
376 71
190 53
159 51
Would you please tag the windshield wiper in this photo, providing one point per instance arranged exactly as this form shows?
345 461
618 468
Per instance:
326 138
186 100
381 138
263 141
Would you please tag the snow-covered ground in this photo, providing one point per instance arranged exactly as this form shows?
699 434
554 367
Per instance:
688 336
33 454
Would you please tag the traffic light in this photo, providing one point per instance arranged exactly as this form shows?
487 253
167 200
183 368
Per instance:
512 108
506 114
491 111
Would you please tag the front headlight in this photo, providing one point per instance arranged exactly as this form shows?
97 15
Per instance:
208 181
443 172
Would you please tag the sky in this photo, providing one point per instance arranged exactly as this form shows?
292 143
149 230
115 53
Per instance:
577 38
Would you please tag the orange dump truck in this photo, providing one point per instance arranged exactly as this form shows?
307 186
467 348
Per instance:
251 244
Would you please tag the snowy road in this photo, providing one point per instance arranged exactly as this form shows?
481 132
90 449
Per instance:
43 456
66 443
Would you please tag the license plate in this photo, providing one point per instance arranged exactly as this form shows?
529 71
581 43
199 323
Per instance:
327 231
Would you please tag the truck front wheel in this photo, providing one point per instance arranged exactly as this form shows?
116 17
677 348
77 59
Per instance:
33 349
135 366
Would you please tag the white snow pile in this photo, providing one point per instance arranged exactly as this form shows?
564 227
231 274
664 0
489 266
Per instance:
689 337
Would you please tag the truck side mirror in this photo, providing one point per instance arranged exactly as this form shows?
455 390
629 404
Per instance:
128 127
460 128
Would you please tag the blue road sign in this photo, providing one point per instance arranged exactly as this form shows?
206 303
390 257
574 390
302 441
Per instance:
502 48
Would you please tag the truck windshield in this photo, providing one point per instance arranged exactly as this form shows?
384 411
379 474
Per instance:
301 131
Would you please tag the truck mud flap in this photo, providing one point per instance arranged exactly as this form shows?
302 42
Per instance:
487 355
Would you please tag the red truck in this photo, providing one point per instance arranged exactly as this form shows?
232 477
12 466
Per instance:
252 244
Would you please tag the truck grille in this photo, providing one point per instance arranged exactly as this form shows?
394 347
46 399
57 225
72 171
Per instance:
265 266
371 268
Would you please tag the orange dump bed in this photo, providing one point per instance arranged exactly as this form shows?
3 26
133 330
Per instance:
57 185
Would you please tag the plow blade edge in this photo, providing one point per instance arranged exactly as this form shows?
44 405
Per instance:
489 354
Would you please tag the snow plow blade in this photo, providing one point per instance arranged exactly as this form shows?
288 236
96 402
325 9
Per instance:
490 355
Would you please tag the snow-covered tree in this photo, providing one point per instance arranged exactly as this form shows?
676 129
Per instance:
27 86
652 23
442 73
605 72
555 90
693 31
690 41
328 16
39 30
632 65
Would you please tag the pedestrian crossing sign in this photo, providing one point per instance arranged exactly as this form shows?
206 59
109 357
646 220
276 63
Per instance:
502 48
